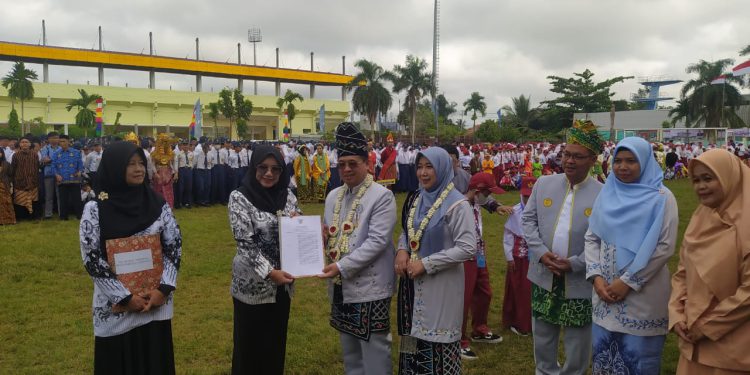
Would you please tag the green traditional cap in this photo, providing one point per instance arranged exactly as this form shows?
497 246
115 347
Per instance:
584 133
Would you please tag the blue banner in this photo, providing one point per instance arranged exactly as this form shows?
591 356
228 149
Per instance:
322 119
198 119
499 117
196 123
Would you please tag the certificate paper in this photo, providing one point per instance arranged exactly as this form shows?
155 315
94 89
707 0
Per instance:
134 261
301 241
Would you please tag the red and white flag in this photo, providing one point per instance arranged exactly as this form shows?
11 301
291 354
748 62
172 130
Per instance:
741 69
720 80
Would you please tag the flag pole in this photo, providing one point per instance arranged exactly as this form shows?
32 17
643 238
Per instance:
721 115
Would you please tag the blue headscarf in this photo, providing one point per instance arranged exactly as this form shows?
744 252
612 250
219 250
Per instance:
443 165
630 215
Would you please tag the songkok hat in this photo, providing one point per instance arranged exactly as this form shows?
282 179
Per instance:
584 133
350 141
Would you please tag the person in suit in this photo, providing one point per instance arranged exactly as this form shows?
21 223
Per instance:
555 221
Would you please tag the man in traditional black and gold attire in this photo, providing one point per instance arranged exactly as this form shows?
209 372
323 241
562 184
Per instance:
360 217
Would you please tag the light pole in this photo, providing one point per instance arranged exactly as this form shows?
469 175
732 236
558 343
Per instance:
435 60
254 36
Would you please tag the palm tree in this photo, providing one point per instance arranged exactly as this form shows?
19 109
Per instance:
85 117
414 79
521 112
473 104
370 96
287 100
18 83
680 112
116 124
213 113
461 123
707 102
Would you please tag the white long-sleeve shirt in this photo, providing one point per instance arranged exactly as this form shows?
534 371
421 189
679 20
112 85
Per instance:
233 160
91 164
201 159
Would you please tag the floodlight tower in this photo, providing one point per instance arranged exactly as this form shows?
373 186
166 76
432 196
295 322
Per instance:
435 60
254 36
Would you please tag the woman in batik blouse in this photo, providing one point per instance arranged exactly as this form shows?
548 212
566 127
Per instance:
261 291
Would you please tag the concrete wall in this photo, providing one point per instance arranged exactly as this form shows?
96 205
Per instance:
154 110
630 120
633 120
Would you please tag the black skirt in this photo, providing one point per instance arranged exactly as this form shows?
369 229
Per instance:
260 333
144 350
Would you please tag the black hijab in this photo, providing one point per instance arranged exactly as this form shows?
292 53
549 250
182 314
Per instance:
266 199
123 210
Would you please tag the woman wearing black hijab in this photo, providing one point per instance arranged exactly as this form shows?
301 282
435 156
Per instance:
260 290
133 333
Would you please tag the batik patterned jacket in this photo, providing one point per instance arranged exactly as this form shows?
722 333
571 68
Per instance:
108 290
257 236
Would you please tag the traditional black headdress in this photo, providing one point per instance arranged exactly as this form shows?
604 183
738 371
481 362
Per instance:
350 141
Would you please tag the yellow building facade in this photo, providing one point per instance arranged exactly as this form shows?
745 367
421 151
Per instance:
149 111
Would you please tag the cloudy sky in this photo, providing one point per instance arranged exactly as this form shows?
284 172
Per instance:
500 48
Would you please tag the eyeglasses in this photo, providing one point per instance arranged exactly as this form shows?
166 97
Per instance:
350 164
576 157
263 169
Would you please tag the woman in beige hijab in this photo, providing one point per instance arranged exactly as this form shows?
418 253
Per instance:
710 305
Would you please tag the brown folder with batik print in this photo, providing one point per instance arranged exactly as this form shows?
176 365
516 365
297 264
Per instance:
139 259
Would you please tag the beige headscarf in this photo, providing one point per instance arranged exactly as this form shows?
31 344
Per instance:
724 230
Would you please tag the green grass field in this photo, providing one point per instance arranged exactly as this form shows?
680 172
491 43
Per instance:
45 302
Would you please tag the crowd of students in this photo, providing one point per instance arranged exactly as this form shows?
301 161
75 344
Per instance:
586 247
203 172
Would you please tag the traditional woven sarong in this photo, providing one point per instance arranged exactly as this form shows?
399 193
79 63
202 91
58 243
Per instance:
26 198
360 319
7 214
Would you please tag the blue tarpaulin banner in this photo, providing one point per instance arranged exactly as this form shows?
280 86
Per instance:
322 119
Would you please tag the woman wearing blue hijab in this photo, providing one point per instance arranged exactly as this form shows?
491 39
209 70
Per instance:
631 236
438 236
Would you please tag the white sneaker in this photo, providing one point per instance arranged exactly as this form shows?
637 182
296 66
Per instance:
468 354
489 338
514 330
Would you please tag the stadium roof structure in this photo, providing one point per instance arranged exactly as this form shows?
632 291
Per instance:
10 51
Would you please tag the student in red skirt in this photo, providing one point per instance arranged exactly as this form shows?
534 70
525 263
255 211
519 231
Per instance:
517 301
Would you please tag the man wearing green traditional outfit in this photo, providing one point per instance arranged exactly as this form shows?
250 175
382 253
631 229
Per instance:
555 221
